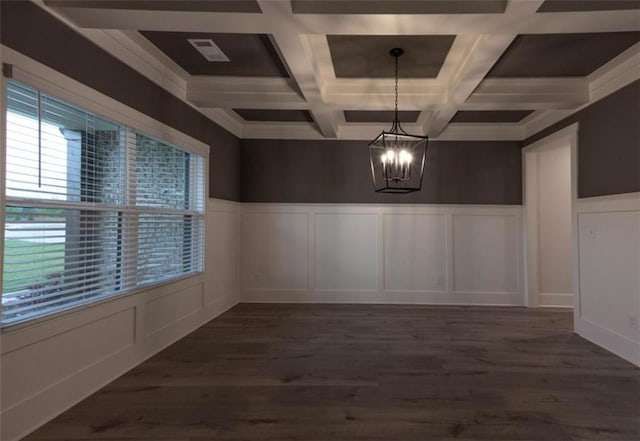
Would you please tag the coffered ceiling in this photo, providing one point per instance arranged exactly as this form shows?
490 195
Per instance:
476 69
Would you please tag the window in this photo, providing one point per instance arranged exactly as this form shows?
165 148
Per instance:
169 192
93 209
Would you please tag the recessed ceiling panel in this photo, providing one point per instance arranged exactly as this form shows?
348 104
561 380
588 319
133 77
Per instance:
367 56
561 55
250 55
380 116
274 115
399 7
587 5
491 116
162 5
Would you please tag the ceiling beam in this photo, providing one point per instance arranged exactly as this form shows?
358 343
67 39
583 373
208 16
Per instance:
245 92
557 93
225 118
486 51
484 132
299 62
490 94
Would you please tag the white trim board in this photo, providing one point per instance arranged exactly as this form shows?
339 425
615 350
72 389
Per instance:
555 300
531 219
608 273
375 297
3 138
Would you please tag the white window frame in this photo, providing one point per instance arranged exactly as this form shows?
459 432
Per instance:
38 76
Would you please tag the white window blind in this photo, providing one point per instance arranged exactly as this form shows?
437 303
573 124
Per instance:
169 194
93 209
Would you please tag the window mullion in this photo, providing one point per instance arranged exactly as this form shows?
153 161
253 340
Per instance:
130 222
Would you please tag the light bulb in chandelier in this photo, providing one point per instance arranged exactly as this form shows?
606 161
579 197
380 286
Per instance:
396 165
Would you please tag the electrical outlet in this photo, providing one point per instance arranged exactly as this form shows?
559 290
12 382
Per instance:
632 320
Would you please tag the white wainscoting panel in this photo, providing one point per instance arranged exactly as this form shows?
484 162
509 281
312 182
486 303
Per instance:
274 251
609 273
415 252
164 311
346 252
51 364
222 251
359 253
37 366
486 253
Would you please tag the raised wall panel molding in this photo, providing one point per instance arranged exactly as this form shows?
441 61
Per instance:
275 251
346 249
486 253
415 252
165 311
368 253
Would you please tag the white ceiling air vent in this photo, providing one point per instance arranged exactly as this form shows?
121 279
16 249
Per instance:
208 49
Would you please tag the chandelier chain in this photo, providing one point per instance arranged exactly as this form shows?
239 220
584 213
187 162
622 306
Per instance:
396 91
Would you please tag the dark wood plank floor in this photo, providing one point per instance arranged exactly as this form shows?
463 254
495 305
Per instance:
368 372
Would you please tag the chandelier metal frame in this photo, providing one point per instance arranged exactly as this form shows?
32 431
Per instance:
392 153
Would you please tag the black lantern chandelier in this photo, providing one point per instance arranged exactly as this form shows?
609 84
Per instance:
397 158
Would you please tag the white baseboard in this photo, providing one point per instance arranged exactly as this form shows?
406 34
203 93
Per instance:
620 345
375 297
555 300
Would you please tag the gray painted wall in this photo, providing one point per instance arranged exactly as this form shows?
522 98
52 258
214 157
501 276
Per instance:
456 172
608 143
30 30
339 172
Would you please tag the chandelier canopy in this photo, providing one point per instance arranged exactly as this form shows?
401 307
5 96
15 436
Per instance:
397 158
